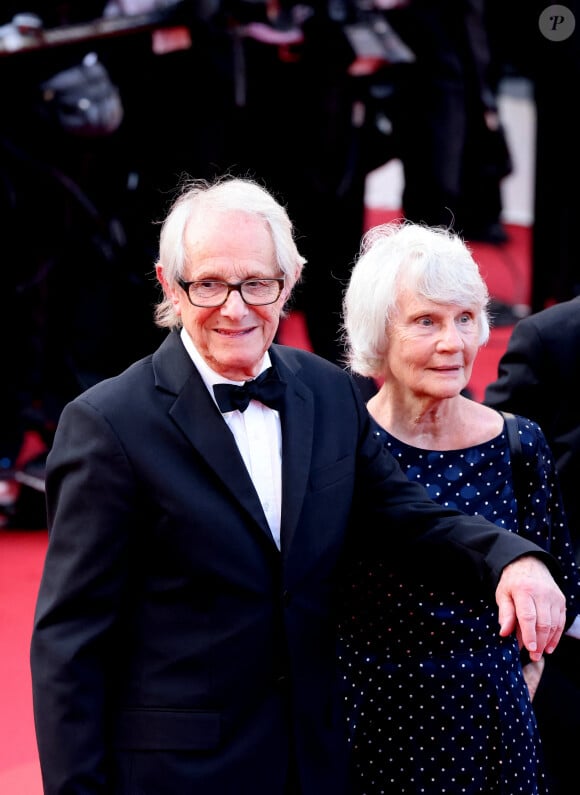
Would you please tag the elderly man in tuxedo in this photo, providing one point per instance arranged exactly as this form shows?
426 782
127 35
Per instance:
200 505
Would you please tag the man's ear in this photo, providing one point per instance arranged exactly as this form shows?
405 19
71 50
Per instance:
161 276
169 290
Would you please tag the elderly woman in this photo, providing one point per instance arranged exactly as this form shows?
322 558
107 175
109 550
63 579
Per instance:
436 700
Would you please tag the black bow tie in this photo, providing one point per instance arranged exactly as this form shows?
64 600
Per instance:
267 388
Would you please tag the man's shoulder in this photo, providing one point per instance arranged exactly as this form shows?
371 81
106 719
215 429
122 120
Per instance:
541 333
552 316
120 387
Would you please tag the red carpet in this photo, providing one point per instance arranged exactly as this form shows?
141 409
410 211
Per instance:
507 272
21 557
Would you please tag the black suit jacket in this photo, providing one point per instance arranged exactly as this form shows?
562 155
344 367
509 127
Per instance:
175 650
538 378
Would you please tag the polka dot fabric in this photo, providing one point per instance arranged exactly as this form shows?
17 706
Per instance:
436 701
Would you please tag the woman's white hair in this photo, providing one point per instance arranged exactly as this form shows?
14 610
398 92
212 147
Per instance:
196 200
433 262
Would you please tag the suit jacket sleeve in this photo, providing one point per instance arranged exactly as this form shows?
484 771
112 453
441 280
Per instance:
522 382
94 505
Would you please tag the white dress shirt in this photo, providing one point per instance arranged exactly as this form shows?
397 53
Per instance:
258 434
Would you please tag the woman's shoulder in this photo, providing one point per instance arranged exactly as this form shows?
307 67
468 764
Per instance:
532 437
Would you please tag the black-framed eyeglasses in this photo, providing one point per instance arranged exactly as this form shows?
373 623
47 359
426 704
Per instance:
208 293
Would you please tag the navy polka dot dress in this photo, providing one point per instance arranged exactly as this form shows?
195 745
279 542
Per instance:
436 701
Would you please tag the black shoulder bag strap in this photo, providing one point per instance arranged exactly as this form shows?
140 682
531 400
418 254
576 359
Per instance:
515 444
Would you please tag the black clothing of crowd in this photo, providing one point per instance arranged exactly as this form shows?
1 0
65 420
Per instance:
253 89
199 97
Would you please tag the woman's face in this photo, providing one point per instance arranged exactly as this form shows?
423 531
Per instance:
431 346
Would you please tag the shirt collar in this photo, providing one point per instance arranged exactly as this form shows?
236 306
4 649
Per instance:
209 376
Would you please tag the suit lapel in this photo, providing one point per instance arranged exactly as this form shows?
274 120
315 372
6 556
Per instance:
195 413
297 438
199 419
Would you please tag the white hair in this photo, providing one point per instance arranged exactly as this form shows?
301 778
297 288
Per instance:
197 199
431 261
